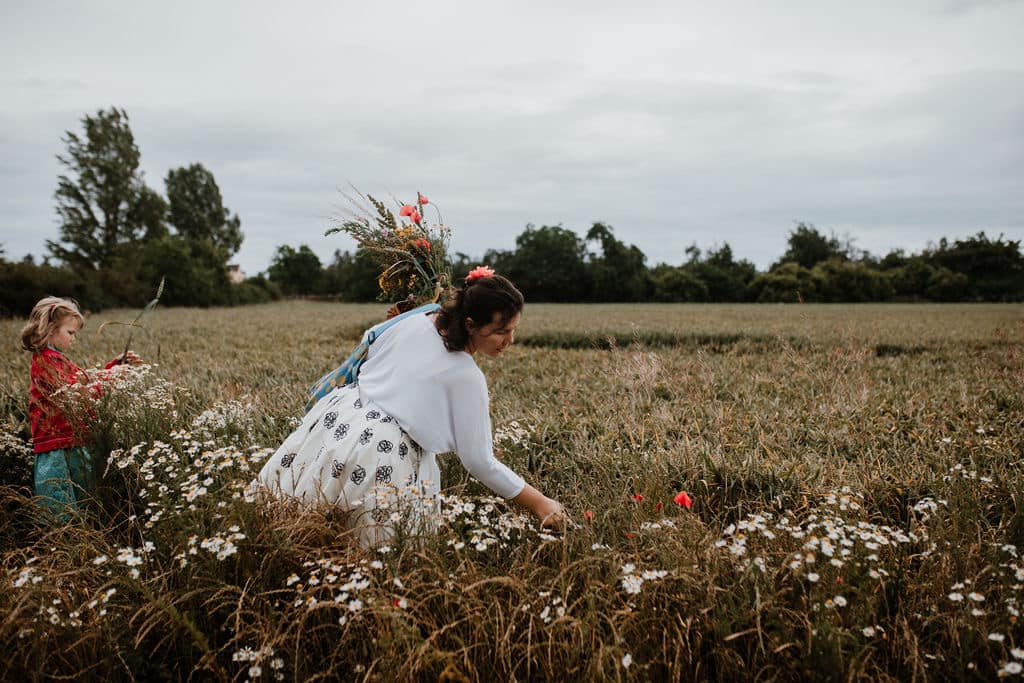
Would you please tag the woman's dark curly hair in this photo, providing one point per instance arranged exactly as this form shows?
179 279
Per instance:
478 301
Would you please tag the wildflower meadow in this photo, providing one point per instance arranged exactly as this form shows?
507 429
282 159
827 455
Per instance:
816 492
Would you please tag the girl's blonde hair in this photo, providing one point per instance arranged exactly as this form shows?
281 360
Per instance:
45 318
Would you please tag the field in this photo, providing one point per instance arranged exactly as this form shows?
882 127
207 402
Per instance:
856 476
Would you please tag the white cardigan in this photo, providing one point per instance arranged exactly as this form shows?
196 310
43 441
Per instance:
438 396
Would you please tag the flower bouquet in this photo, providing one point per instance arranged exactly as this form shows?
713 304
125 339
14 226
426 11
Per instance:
411 252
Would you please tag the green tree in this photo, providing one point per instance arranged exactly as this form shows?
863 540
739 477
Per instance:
501 260
848 281
352 277
197 209
787 283
676 283
724 278
254 290
24 282
945 285
808 247
194 271
463 263
548 264
296 271
104 205
994 268
619 273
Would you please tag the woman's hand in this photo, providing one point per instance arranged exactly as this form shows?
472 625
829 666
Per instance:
552 515
549 511
131 358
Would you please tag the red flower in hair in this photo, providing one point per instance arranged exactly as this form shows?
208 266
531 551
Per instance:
407 210
683 498
479 272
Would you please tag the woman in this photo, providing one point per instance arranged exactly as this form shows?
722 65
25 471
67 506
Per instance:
370 448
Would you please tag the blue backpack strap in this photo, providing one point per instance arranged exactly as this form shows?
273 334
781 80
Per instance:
348 371
380 328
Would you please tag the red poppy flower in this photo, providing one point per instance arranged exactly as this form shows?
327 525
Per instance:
630 535
637 497
683 498
415 217
422 200
423 244
394 602
479 272
407 210
589 514
657 508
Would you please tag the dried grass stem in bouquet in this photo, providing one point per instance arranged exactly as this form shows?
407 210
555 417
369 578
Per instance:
411 252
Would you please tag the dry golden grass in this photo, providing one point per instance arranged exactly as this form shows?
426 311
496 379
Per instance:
892 433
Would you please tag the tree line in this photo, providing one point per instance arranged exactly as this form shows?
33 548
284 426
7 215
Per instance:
118 237
552 263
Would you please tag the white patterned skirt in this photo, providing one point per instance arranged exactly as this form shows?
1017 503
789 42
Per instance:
358 458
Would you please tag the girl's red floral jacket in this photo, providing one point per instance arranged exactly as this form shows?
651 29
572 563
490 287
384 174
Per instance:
51 371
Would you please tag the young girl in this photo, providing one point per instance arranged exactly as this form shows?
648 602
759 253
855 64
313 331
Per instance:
367 446
63 470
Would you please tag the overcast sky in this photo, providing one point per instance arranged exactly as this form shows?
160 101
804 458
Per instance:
674 122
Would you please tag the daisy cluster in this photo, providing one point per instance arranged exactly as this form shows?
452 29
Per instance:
482 523
221 546
139 382
513 434
56 612
254 660
660 525
16 459
409 507
173 477
632 581
129 557
227 417
960 472
13 445
995 618
826 542
27 575
330 583
554 607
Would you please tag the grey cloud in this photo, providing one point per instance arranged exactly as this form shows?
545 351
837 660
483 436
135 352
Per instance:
544 130
966 6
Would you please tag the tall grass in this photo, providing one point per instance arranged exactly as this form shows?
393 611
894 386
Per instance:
857 513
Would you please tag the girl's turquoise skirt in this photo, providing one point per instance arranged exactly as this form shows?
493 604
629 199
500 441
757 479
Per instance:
63 477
